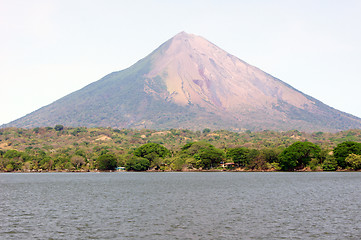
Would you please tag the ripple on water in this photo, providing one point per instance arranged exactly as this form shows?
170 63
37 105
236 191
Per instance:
180 206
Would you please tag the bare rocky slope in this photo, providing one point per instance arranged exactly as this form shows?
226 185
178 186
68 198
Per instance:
189 82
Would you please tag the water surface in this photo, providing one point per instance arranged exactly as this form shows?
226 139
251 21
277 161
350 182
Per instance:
221 205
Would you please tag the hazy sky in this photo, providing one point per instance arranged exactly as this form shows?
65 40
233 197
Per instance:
49 48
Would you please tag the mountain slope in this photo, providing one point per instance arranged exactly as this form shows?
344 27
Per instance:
189 82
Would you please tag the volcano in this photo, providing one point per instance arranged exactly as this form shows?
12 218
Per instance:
190 83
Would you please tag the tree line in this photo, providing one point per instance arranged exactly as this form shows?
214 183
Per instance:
197 155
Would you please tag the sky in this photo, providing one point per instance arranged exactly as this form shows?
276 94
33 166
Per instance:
51 48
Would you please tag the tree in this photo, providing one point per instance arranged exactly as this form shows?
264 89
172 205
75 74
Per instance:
178 163
137 164
59 127
205 154
9 167
77 161
259 160
36 130
239 156
206 130
10 154
152 152
298 155
270 155
210 157
107 162
46 163
343 150
329 164
354 161
60 161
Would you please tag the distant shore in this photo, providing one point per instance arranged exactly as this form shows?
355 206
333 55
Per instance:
189 170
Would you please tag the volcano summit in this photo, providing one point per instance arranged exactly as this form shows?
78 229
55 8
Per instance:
190 83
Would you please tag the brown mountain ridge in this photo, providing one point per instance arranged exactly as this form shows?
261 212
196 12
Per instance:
188 82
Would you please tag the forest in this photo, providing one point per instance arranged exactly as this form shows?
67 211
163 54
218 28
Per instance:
81 149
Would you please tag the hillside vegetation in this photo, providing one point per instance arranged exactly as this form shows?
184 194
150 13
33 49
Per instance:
85 149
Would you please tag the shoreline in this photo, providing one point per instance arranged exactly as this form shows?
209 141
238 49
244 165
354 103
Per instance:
159 171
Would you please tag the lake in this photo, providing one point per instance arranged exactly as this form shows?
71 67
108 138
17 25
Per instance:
181 205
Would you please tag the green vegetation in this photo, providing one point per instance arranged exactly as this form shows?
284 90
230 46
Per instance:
137 164
107 162
153 152
240 156
57 128
354 161
89 149
343 150
203 155
298 155
330 164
